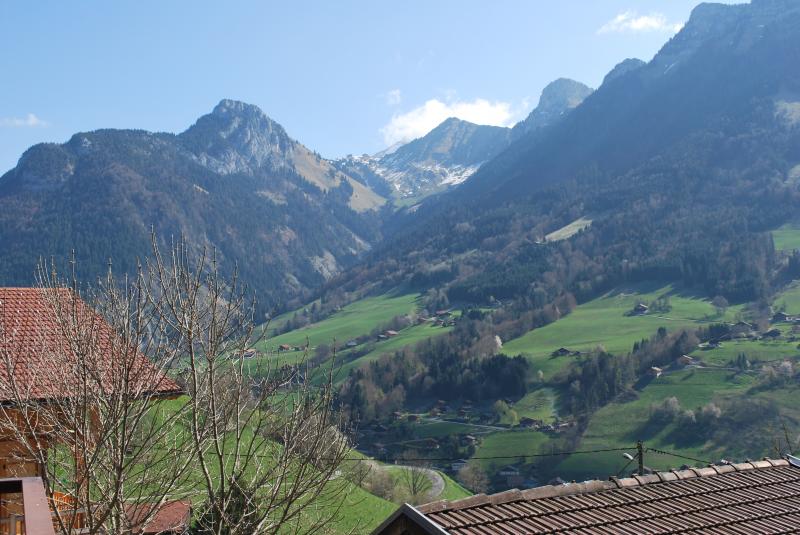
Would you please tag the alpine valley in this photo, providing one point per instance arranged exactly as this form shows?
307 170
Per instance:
620 265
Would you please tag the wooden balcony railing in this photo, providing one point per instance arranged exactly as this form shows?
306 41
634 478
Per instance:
27 509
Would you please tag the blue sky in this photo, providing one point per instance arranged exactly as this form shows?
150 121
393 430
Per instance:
342 77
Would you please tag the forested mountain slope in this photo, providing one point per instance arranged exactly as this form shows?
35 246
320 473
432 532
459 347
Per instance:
675 169
235 182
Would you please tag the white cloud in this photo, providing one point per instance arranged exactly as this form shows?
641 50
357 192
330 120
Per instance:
630 21
416 123
394 97
29 121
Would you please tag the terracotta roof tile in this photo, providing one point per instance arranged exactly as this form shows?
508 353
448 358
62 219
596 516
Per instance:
752 497
171 517
36 351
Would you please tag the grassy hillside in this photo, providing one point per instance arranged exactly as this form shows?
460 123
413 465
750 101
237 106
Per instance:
351 321
509 447
606 322
787 237
620 424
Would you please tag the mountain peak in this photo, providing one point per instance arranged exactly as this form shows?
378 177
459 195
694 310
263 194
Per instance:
237 137
228 107
622 68
558 97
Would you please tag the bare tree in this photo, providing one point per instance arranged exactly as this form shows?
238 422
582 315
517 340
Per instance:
266 441
100 411
474 477
84 406
415 477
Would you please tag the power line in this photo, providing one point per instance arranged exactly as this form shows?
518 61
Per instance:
490 457
662 452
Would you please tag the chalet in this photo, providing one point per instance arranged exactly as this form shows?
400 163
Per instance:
250 354
751 497
773 333
529 422
685 360
468 440
640 308
560 352
39 346
742 328
382 337
284 347
457 465
351 344
390 333
444 313
509 470
655 371
782 317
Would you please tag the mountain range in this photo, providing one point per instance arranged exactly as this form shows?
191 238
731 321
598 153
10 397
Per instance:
675 167
453 151
234 181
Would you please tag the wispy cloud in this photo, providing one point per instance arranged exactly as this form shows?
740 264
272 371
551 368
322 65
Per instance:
394 97
631 21
421 120
29 121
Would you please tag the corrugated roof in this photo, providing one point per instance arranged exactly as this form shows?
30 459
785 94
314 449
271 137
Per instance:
752 497
36 350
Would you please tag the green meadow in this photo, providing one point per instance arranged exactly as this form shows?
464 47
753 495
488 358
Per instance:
604 322
540 404
353 320
621 424
787 237
405 337
509 447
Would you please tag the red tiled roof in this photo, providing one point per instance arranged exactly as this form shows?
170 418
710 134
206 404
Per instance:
36 350
171 517
757 497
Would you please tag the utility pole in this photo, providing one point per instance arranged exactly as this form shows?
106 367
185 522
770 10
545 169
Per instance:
640 456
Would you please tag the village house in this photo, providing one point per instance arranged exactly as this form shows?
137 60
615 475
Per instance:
468 440
751 497
773 333
655 372
560 352
512 476
782 317
741 329
457 465
640 308
531 423
28 331
685 360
